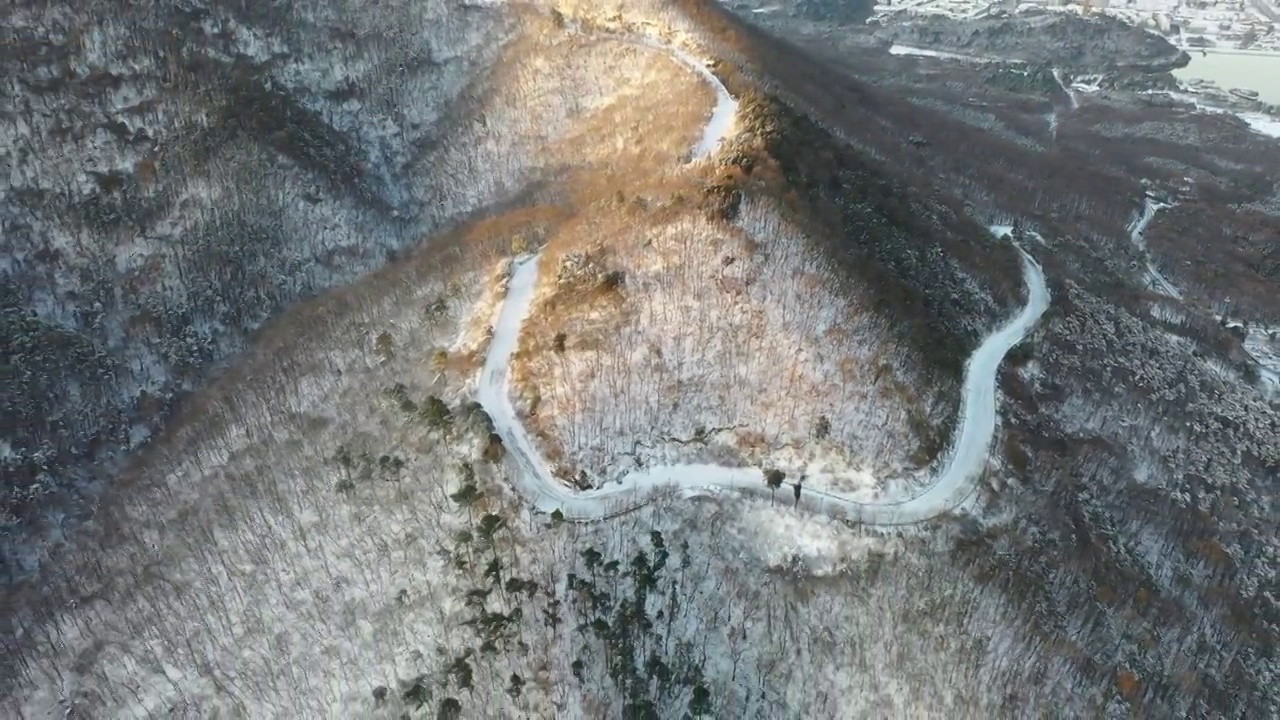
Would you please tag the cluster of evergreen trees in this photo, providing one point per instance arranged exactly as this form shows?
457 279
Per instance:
626 612
620 617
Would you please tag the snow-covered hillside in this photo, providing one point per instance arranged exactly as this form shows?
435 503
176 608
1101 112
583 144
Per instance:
631 485
363 580
115 321
721 337
513 267
953 485
660 335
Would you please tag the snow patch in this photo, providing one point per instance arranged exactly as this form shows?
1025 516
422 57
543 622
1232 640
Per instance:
1068 89
912 51
1262 124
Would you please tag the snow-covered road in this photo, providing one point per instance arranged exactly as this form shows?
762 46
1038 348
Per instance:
954 485
1054 120
720 124
1254 344
1067 89
1138 236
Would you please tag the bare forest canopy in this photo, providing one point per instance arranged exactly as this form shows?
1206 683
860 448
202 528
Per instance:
247 273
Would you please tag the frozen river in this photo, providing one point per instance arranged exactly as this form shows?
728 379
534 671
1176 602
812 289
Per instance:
1230 69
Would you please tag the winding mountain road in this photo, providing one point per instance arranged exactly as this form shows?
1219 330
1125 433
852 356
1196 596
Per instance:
1138 236
1054 120
1268 368
954 485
